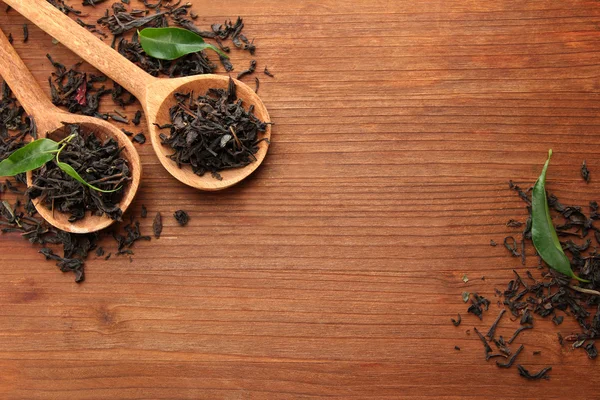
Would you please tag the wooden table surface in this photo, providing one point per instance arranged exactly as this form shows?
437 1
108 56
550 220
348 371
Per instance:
334 270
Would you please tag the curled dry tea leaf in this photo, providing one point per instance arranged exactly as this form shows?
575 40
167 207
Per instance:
543 233
173 43
27 158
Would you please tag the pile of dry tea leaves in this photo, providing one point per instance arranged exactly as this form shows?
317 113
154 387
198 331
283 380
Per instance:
552 295
213 132
99 163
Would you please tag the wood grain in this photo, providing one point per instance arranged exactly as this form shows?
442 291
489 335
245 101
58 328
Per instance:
334 270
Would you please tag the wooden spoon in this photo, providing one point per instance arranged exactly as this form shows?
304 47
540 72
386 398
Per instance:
155 95
49 121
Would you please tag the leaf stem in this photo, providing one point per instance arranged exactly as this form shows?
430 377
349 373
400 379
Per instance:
584 290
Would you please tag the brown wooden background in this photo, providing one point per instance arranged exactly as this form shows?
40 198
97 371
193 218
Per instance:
334 270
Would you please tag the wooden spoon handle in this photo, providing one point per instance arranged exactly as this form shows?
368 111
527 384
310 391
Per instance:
85 44
25 88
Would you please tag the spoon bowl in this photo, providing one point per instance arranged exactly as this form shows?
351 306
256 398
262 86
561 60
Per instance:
154 94
50 120
103 131
199 85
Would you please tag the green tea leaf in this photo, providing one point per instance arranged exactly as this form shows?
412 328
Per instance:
73 174
543 233
173 43
29 157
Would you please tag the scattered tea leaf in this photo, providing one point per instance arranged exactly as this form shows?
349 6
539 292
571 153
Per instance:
585 172
465 296
465 279
157 225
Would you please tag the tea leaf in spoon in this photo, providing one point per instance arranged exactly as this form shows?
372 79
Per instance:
543 233
173 43
75 175
29 157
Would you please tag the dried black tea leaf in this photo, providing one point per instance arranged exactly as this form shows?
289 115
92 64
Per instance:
456 322
486 346
543 374
492 330
136 119
268 73
591 350
585 173
140 138
511 360
25 33
519 330
157 225
144 211
511 245
181 217
248 71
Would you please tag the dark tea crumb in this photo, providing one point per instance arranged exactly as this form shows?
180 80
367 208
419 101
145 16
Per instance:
157 225
248 71
492 331
591 350
486 347
268 73
542 374
10 38
137 117
60 4
558 319
456 348
140 138
65 264
511 360
519 330
257 84
213 132
493 243
98 163
537 353
107 257
182 217
25 33
585 172
132 235
99 252
456 322
144 211
126 132
118 118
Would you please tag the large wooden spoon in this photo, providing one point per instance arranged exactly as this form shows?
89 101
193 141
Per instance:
155 95
50 121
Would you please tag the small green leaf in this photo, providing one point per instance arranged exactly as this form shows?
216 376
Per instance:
29 157
73 174
543 233
465 296
173 43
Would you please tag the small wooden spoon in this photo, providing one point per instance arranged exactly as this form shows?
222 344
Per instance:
49 120
155 95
